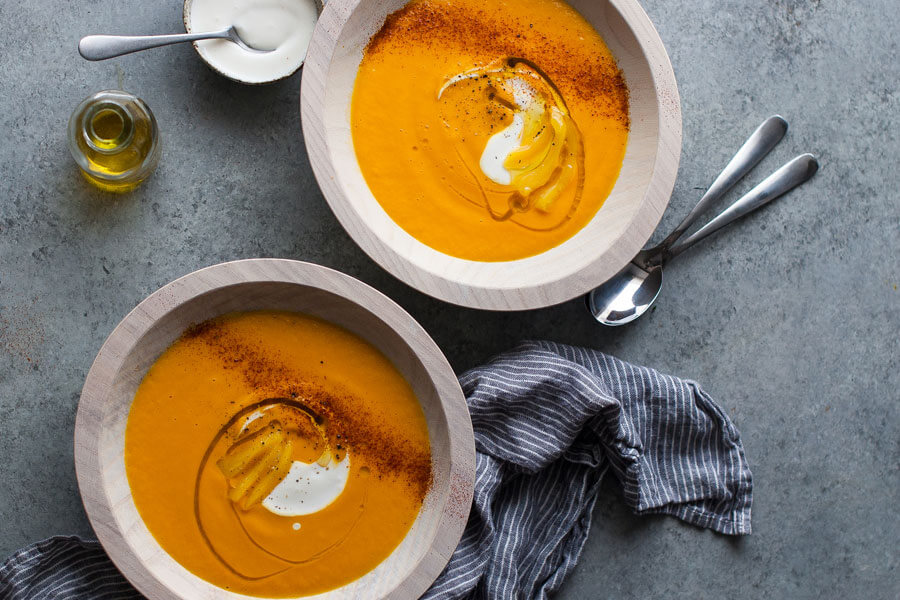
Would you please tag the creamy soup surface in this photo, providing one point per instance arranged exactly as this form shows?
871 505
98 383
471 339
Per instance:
489 131
275 454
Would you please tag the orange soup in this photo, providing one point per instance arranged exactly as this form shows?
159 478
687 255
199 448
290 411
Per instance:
275 454
490 131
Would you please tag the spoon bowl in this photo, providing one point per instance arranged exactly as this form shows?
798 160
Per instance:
235 37
626 296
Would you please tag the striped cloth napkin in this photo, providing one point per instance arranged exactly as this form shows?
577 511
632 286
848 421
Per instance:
550 421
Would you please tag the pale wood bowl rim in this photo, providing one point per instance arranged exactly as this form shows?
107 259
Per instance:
127 336
454 284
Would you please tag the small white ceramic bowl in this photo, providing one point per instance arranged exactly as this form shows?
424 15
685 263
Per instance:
279 285
618 231
210 60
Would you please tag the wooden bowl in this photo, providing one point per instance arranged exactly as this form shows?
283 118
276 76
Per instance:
280 285
619 230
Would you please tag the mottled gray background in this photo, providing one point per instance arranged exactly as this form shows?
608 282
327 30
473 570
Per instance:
790 320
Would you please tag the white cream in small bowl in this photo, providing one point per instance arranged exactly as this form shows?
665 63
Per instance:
282 28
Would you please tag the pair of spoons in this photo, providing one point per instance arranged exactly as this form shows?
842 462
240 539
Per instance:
629 293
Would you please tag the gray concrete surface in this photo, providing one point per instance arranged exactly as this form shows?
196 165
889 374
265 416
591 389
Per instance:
790 319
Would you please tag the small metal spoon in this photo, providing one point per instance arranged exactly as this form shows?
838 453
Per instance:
101 47
630 292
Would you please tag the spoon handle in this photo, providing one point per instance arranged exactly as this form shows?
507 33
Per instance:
101 47
794 173
760 143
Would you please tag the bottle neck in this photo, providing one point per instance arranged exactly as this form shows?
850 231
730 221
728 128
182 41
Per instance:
107 127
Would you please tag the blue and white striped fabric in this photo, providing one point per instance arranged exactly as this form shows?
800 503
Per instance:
550 421
63 568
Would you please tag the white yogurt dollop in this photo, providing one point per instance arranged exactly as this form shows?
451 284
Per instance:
500 145
308 488
284 27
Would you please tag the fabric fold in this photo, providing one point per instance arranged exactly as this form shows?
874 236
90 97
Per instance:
554 419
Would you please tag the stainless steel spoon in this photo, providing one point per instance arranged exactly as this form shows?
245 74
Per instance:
101 47
630 292
626 296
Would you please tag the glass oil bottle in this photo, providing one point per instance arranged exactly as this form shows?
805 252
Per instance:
114 138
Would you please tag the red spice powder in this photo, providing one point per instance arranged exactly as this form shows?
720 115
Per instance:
594 79
382 448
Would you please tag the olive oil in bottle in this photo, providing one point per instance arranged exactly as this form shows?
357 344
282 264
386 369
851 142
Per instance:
114 139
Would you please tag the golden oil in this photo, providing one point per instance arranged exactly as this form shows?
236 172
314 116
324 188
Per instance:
114 138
